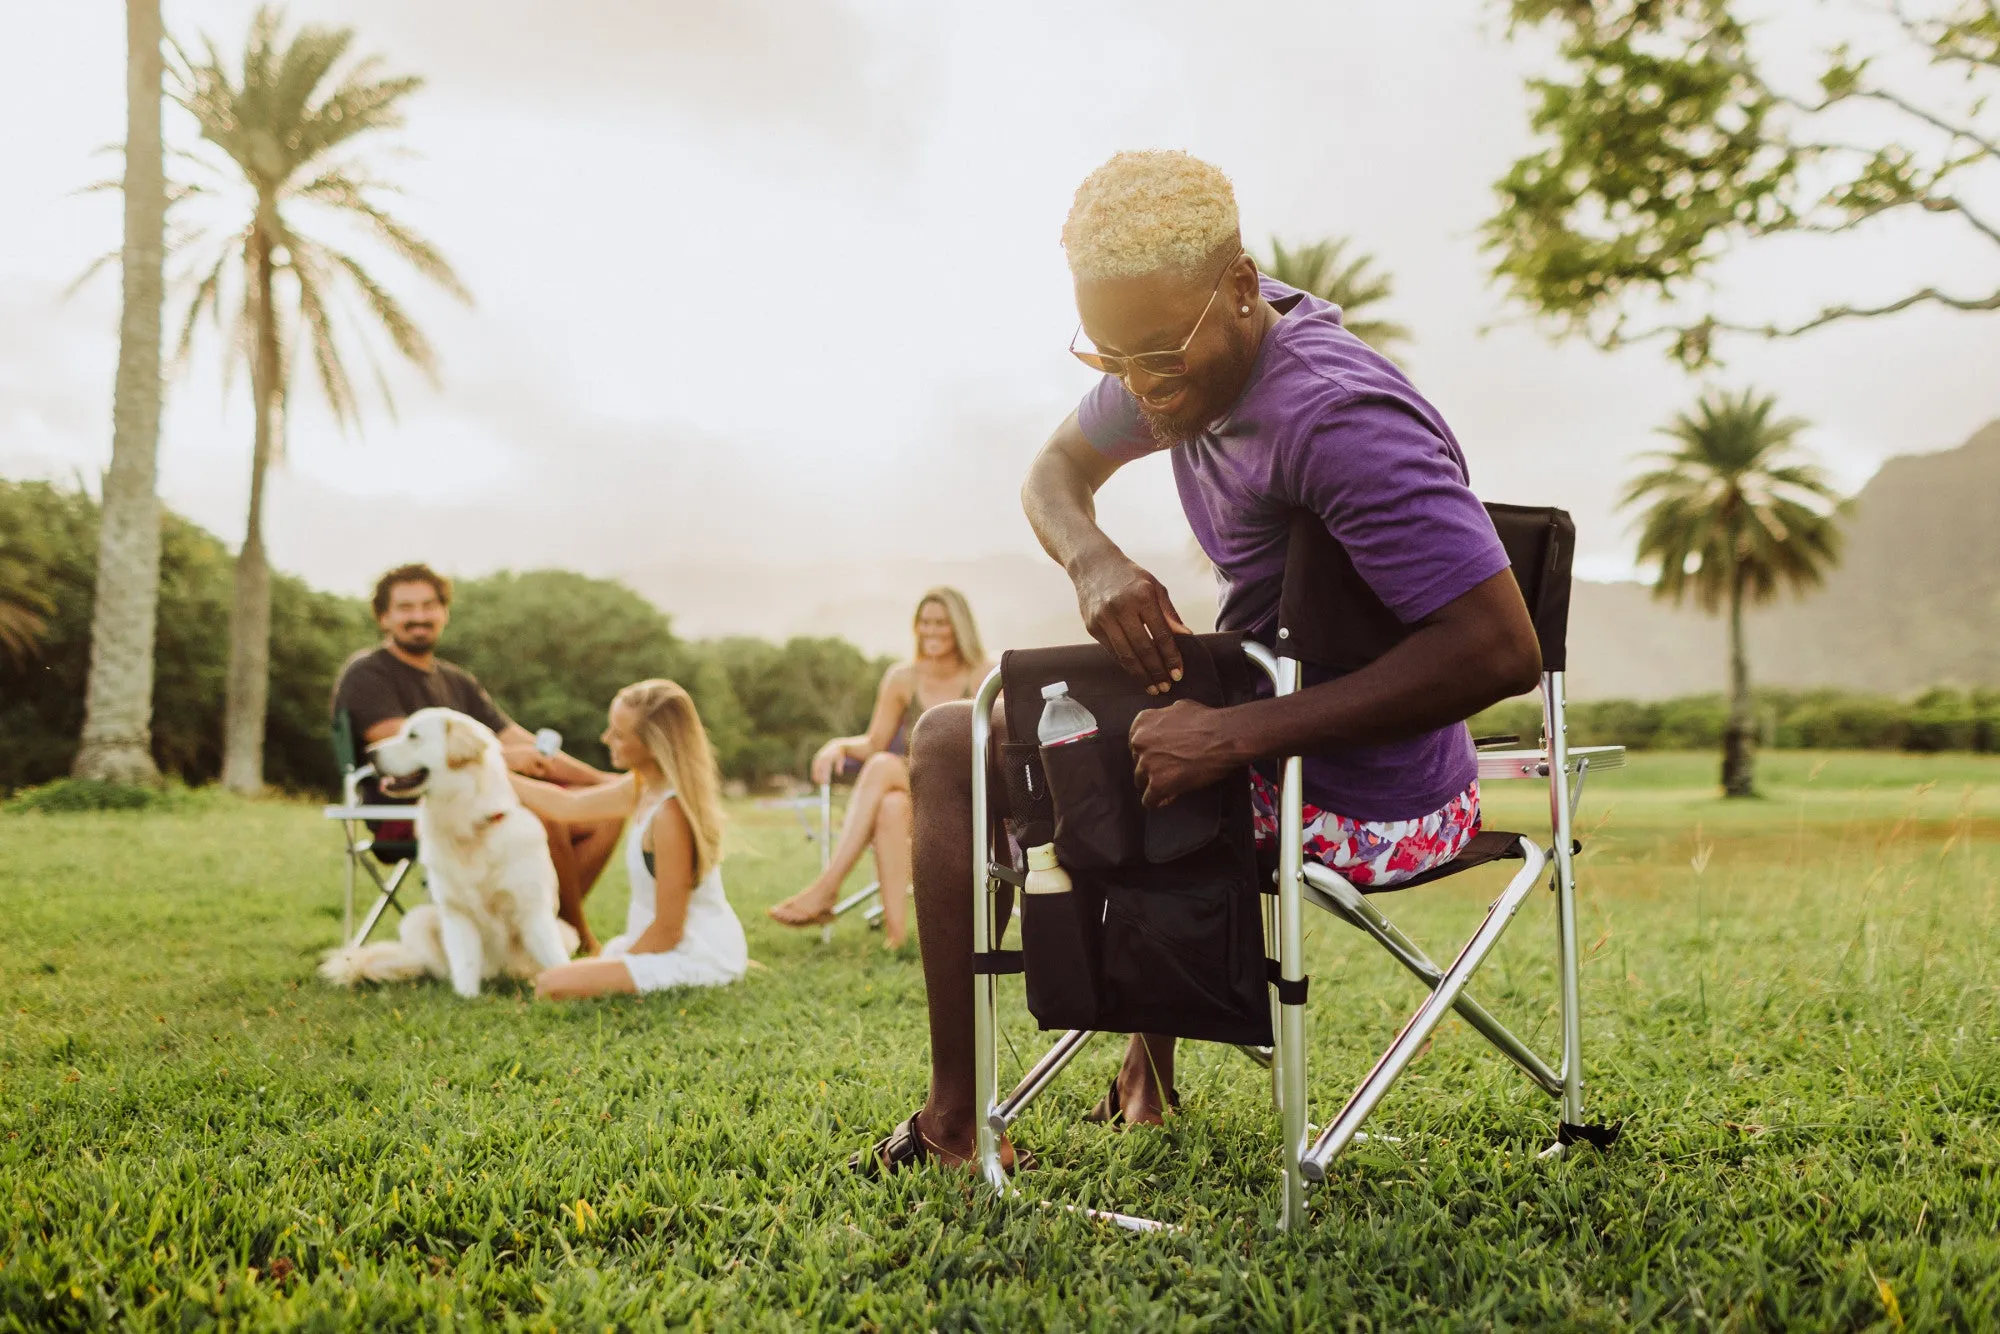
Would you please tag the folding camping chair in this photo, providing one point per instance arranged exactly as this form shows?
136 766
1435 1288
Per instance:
869 897
1326 620
386 861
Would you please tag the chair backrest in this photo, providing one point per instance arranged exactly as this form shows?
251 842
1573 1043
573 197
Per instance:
346 754
1330 617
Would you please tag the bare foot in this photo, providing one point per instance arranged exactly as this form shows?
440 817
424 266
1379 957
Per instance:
956 1148
811 906
1132 1102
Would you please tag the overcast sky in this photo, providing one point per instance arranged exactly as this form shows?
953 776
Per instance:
759 277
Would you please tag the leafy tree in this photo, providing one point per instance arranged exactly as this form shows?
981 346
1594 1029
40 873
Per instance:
117 721
1666 143
553 647
1354 285
1730 517
290 139
53 532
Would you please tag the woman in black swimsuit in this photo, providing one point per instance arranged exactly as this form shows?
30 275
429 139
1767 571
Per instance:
949 664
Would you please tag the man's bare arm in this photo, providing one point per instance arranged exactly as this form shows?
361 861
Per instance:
1125 609
1475 651
517 744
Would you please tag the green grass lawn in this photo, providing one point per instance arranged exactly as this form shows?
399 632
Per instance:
1791 1003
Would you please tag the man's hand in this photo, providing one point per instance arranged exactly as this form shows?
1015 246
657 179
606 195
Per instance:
526 760
1128 611
1179 749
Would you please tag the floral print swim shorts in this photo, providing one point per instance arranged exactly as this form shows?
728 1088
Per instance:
1375 853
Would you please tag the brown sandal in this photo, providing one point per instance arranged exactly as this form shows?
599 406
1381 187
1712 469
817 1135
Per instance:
905 1146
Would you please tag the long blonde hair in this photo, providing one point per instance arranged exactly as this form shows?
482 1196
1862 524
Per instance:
965 635
672 733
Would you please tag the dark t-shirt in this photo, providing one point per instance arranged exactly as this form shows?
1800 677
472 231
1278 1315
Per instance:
376 685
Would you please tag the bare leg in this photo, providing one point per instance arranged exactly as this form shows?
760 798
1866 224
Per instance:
882 774
941 797
570 885
892 864
593 844
584 978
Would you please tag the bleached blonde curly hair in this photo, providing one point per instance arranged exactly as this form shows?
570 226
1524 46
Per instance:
1144 212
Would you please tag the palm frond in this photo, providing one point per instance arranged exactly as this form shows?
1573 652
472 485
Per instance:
337 189
308 271
402 330
1324 269
91 270
20 631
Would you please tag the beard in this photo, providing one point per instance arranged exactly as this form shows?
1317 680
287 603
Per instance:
1208 397
417 642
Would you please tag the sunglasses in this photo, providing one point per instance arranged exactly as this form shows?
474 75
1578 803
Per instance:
1161 365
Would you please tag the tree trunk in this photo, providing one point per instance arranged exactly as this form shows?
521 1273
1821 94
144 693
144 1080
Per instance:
1738 761
249 684
118 709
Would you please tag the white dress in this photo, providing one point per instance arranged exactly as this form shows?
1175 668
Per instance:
712 951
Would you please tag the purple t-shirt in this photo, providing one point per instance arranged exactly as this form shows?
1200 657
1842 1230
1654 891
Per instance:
1328 424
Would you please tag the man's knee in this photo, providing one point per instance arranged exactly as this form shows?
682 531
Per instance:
941 746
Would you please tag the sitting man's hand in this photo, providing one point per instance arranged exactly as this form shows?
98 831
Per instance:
527 761
1128 611
1179 749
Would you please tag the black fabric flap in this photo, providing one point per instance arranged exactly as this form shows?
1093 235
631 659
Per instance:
1327 613
1329 616
1113 698
1541 548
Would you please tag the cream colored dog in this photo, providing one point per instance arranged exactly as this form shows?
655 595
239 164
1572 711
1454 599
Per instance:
486 863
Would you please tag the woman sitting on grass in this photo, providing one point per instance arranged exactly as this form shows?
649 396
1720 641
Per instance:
679 930
949 664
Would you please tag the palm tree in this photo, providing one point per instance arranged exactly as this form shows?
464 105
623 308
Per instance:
1730 516
117 740
285 133
1324 270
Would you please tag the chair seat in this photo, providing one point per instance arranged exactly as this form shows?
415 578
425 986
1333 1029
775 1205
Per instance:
1488 845
389 851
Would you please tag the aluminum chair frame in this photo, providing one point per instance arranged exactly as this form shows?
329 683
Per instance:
1300 883
868 898
353 815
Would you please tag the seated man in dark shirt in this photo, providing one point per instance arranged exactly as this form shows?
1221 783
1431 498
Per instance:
380 687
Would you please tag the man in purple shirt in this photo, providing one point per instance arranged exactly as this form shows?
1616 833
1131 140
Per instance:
1269 407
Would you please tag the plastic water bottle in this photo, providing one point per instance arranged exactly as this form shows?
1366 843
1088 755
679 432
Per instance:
1064 721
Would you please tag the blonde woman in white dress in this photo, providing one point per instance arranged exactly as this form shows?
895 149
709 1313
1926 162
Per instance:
679 930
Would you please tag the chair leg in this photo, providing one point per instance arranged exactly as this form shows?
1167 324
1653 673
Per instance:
384 898
1039 1078
1327 890
347 906
1428 1015
1289 1065
985 1048
1555 729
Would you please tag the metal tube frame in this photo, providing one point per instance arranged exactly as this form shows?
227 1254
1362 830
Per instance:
360 843
1555 739
873 913
1284 932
